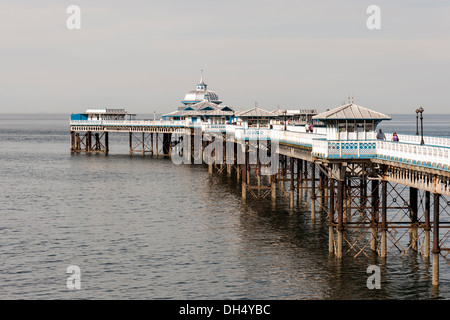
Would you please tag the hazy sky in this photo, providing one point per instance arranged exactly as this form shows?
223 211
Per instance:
145 55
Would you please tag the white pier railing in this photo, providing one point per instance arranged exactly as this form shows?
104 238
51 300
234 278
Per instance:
428 140
252 134
130 123
214 127
435 153
344 149
423 155
302 139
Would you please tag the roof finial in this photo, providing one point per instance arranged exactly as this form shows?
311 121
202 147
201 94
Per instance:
202 84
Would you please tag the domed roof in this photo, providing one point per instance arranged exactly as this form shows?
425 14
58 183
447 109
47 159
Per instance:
196 96
201 93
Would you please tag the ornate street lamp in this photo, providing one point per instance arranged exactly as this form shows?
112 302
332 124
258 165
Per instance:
420 110
417 122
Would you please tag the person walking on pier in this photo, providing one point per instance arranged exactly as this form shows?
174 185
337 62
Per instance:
395 137
307 126
380 135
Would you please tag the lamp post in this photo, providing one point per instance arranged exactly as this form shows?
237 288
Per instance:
421 124
285 125
417 122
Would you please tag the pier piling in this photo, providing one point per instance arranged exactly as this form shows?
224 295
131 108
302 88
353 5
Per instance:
436 247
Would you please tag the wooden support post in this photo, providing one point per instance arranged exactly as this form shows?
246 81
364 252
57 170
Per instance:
375 214
347 198
305 173
326 184
237 164
273 184
383 219
248 170
164 145
258 168
331 219
151 144
321 187
86 142
283 173
72 142
106 142
313 190
247 164
299 180
340 217
77 142
244 172
436 247
131 143
89 142
292 191
157 144
97 145
143 144
238 171
258 178
413 234
169 144
363 188
426 249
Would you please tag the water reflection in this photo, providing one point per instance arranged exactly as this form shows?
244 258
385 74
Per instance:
283 246
143 228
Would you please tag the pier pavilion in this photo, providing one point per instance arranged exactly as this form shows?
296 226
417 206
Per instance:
350 132
205 110
295 117
254 118
103 114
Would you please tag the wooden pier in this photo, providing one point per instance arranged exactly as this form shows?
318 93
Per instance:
378 196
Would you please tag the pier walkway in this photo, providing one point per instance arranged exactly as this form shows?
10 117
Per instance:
433 156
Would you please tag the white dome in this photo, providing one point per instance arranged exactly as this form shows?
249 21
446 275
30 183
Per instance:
196 96
201 93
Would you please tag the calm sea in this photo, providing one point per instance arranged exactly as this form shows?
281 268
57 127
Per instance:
145 228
